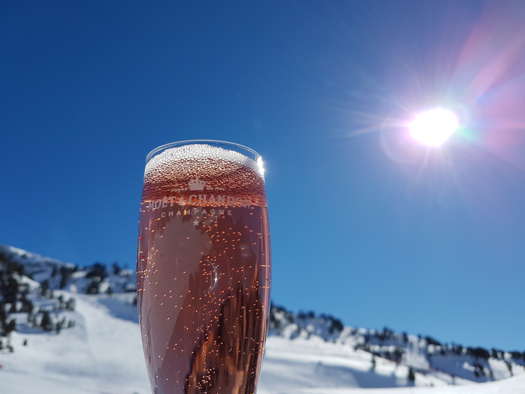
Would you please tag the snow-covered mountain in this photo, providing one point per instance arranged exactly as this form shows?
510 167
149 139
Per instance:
428 360
57 275
55 338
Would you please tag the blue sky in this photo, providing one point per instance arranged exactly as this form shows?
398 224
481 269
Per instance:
364 225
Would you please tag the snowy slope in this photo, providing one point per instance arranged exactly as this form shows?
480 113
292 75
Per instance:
92 343
68 276
300 366
508 386
102 354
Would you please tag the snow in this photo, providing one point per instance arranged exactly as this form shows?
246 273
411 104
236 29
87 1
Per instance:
508 386
102 354
305 353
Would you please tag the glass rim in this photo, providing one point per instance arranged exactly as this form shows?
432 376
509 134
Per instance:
160 148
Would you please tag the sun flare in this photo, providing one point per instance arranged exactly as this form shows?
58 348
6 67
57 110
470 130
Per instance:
434 126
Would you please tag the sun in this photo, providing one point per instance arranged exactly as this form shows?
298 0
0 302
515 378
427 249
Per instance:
433 127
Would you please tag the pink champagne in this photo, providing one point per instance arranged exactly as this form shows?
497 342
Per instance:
203 271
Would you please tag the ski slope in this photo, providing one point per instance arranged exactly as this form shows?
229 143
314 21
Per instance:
102 354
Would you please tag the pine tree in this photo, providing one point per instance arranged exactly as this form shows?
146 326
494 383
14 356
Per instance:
93 287
46 324
60 300
10 327
11 290
44 288
70 304
411 376
3 316
116 269
65 275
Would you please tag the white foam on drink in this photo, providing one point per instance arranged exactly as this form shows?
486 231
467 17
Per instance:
201 151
